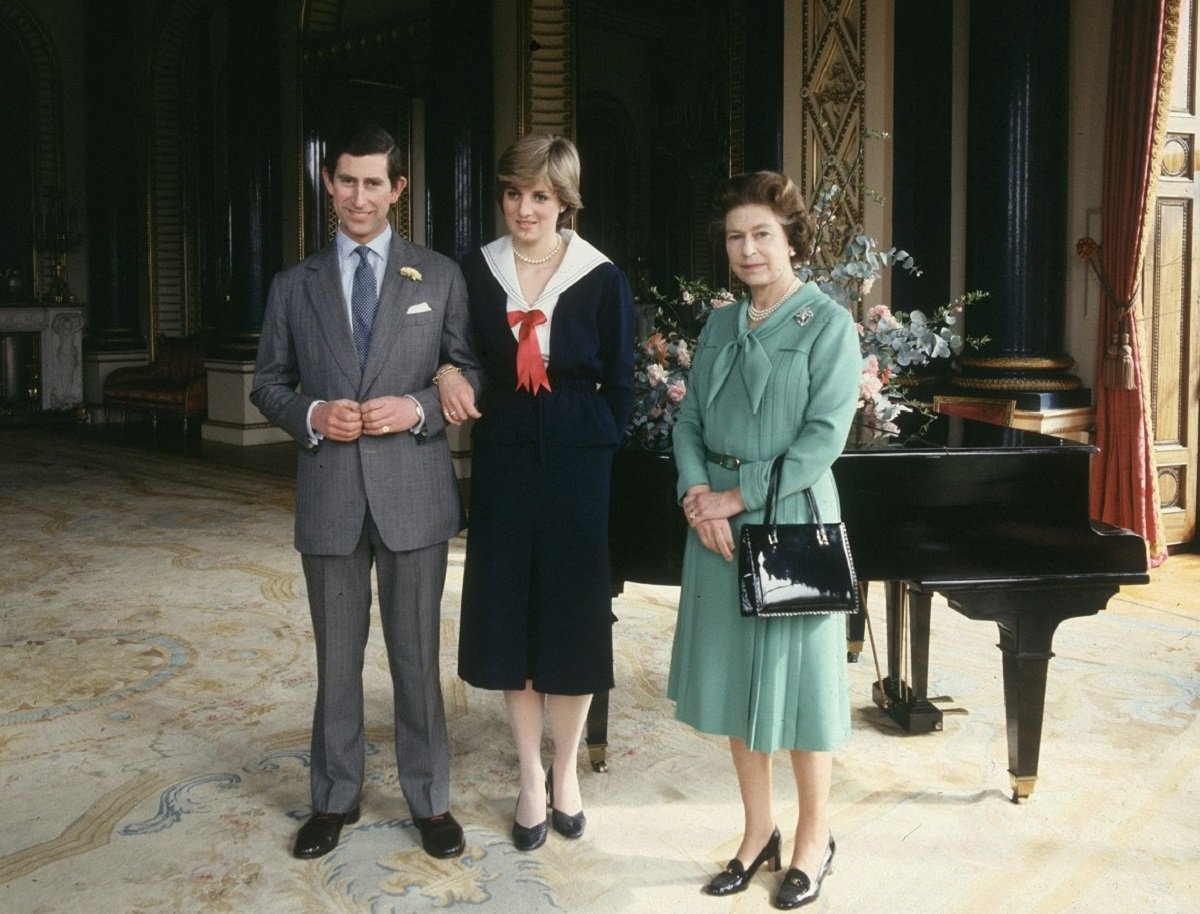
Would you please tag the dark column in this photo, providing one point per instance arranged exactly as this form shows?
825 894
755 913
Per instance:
458 130
921 144
252 110
763 97
114 68
1016 203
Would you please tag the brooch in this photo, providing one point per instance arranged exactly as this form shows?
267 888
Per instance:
803 316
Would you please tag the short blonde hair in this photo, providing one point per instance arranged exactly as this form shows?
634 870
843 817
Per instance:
542 156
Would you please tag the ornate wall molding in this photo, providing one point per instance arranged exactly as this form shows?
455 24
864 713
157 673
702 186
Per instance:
548 70
737 87
833 100
171 312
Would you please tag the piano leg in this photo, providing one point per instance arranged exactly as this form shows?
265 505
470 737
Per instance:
856 627
1024 708
597 732
907 703
1026 618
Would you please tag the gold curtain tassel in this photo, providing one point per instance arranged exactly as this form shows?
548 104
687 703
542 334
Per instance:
1126 363
1110 370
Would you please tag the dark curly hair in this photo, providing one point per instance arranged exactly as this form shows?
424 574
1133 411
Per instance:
364 138
777 192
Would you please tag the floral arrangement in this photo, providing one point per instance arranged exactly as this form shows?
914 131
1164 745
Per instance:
662 359
895 345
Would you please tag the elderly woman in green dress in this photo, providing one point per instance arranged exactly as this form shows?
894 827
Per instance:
775 374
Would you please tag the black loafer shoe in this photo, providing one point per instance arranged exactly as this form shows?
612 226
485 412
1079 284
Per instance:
797 889
441 836
736 876
319 835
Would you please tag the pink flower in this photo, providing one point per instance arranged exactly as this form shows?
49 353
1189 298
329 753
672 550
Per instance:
869 386
880 316
677 390
683 354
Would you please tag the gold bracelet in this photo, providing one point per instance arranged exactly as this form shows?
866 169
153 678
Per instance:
445 370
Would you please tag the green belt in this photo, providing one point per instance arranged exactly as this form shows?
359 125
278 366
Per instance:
723 460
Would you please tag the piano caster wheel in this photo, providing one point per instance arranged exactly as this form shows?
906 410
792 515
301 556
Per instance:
852 656
600 767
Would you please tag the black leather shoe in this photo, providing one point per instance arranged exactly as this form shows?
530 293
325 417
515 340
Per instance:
441 836
529 839
735 877
567 826
797 889
319 835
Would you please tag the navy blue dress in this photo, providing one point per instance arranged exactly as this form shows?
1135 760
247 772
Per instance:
537 599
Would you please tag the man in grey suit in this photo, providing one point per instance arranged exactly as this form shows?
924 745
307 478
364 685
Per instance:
351 339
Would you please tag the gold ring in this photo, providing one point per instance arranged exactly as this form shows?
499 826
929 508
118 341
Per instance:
386 429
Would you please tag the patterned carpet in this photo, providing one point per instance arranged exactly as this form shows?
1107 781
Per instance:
156 685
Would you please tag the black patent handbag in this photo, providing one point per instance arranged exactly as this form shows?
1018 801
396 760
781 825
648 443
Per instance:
795 569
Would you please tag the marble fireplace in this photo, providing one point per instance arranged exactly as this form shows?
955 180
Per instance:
57 372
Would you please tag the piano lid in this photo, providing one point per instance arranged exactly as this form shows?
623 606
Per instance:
965 501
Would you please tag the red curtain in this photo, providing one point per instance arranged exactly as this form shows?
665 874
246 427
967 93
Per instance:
1124 490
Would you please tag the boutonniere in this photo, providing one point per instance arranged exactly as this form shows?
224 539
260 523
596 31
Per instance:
411 273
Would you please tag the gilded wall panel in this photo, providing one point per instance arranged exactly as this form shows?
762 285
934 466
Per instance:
833 106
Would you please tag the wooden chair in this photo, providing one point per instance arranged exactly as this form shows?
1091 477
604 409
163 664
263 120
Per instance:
174 382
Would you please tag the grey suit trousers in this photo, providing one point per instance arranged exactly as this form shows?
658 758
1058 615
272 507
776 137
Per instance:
410 594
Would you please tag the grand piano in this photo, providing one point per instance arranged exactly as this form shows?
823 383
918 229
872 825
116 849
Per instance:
995 519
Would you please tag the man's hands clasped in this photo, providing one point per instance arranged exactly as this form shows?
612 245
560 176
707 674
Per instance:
345 420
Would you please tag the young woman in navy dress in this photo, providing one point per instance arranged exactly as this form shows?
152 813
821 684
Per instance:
553 322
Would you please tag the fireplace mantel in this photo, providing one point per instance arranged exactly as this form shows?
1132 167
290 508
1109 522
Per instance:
60 333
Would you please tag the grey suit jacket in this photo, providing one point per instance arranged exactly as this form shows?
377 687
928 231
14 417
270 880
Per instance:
306 353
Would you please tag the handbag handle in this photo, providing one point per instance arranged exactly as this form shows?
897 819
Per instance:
773 485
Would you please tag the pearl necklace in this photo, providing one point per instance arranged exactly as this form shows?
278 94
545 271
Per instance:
759 315
536 260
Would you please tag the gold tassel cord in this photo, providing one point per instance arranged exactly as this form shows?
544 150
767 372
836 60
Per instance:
1117 367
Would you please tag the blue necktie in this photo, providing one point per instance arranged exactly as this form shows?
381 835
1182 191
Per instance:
364 299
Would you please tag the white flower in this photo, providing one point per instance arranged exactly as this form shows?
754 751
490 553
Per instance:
411 273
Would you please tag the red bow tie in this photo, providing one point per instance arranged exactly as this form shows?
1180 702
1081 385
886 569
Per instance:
531 373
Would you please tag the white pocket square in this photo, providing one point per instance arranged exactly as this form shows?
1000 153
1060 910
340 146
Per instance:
419 308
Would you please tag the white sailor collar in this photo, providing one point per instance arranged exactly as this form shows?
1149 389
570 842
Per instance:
579 260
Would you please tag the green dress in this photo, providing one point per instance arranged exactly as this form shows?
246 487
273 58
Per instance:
789 386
